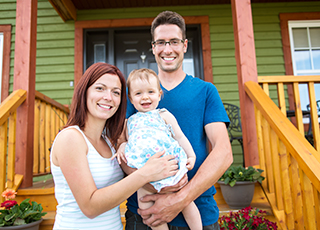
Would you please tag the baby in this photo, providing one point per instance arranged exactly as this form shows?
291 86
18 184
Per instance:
152 130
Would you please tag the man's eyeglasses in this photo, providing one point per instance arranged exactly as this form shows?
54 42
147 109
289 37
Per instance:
162 43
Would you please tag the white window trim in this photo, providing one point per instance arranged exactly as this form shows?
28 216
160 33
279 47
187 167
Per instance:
302 24
302 87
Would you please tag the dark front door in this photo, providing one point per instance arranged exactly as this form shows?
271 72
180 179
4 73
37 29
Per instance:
130 49
133 51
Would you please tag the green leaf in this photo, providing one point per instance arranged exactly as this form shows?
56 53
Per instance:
232 183
10 217
240 173
28 213
4 211
1 222
25 204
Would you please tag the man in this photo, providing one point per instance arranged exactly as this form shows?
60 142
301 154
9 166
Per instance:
200 113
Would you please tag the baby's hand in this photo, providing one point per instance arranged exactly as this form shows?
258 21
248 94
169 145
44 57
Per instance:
190 163
120 153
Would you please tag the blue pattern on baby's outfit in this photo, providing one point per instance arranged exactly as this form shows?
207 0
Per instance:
149 134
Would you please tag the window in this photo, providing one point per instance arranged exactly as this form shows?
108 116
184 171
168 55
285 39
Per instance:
1 58
305 52
5 43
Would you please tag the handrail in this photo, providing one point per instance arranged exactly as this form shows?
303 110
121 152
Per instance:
291 165
50 117
50 101
289 79
11 103
8 109
293 82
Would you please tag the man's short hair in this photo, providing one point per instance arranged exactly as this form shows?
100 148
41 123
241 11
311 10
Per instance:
167 18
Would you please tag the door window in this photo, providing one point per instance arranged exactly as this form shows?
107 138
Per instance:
305 52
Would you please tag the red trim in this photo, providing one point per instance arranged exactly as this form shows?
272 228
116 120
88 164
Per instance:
81 25
24 78
284 18
247 71
6 30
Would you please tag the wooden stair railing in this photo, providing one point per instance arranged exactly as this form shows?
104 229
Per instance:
281 82
8 109
49 118
291 165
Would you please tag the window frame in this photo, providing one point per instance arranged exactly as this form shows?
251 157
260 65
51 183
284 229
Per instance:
1 56
284 25
80 26
5 78
301 24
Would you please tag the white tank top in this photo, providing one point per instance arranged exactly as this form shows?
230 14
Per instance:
105 172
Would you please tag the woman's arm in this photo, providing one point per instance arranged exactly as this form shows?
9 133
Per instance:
69 153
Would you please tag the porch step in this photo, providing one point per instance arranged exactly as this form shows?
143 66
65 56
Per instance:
43 192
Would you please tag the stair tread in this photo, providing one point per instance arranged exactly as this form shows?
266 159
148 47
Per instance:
40 187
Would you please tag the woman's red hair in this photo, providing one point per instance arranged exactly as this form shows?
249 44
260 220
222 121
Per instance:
79 109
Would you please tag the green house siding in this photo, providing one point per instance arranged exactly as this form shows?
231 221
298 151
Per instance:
55 44
55 54
55 50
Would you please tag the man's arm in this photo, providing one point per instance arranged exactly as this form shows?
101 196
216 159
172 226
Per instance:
168 206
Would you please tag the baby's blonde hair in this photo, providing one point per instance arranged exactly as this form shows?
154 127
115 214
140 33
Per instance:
142 74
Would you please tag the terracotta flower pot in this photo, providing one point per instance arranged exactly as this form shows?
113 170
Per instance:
31 226
240 195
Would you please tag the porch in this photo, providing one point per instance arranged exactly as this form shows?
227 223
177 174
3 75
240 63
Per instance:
290 193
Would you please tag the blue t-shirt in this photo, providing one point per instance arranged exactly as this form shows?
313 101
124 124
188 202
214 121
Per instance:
195 103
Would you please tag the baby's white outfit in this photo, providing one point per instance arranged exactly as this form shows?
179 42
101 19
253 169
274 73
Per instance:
149 134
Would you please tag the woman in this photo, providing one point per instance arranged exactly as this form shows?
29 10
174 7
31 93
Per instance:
88 180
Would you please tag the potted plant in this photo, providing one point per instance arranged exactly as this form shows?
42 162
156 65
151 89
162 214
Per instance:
246 218
237 185
23 216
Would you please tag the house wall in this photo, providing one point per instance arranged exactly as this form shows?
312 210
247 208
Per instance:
55 44
55 50
55 54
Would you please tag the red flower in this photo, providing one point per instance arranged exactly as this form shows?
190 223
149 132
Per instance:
246 219
8 204
256 221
